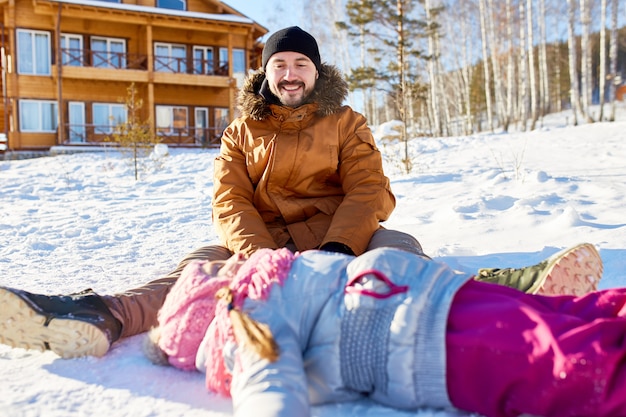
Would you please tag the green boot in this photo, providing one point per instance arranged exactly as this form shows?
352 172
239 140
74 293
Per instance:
573 271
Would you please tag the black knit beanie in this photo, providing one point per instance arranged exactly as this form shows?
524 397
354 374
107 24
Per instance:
292 39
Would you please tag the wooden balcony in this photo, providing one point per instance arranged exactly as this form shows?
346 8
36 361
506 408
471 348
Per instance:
103 59
180 137
102 66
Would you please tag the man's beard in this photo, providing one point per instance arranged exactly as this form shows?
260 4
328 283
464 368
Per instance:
288 100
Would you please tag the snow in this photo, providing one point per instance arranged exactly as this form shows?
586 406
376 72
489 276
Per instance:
70 222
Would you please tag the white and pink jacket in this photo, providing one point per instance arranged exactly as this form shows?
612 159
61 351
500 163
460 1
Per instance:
346 327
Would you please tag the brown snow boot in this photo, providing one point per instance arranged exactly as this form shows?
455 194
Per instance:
70 325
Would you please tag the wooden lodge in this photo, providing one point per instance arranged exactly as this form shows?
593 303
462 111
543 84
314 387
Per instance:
67 66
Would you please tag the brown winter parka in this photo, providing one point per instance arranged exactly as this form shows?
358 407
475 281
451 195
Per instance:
307 175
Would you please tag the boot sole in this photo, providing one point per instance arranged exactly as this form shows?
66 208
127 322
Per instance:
22 326
574 271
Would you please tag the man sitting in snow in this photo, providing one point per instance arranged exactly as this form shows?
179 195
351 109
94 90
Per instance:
298 170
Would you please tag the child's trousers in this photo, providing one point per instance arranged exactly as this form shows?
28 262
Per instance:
510 353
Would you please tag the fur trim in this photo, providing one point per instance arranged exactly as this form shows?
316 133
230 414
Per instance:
151 348
330 91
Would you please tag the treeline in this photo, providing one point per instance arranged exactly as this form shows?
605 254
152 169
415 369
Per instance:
448 67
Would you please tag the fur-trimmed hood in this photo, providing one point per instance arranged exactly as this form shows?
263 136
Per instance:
331 89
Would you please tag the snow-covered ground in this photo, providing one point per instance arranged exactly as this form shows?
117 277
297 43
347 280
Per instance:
75 221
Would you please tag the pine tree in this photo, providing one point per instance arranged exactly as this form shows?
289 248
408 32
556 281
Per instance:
393 33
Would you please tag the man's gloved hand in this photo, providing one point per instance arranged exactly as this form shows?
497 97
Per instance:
337 247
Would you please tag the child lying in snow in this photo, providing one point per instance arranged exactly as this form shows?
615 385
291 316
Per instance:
287 331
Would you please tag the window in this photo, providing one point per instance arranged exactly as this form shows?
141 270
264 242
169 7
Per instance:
108 52
203 60
171 120
106 116
223 64
76 127
239 63
202 125
170 57
33 52
222 120
172 4
72 49
239 66
38 116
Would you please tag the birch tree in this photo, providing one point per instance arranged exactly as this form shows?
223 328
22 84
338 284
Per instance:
544 74
523 67
458 23
495 64
467 71
485 50
531 65
330 38
585 59
510 72
556 56
573 72
402 94
602 70
438 106
613 58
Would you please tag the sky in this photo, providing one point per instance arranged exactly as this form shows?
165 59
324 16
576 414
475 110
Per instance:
272 14
71 222
255 10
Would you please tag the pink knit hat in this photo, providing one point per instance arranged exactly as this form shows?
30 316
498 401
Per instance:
187 312
254 280
191 306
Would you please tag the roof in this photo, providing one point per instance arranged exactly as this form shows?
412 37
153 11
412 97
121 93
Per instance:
160 11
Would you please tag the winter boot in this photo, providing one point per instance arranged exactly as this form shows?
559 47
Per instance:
70 325
573 271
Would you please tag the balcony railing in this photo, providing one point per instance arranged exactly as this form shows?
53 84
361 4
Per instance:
103 59
124 60
189 136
